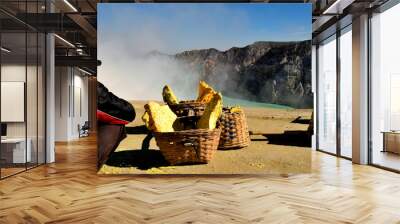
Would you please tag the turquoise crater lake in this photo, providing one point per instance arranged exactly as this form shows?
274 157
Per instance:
227 101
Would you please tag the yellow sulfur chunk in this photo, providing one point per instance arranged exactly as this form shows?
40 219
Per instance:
208 95
236 109
212 113
169 96
202 88
206 92
147 121
159 118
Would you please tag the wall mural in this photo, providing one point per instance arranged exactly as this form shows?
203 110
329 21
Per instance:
204 88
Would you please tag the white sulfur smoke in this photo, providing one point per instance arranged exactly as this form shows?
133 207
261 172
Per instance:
142 77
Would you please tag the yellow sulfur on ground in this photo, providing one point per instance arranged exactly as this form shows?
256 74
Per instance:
169 96
159 118
106 169
212 113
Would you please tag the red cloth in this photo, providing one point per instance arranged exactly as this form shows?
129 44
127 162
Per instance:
108 119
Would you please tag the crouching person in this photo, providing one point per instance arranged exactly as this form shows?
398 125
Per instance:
113 113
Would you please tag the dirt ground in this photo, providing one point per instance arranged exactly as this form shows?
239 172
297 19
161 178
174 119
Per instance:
280 145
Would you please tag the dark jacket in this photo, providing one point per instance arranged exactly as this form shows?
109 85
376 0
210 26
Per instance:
108 103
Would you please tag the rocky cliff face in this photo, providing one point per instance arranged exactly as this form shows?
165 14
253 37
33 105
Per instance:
271 72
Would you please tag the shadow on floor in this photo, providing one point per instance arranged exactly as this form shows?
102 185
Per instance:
136 130
289 138
300 120
141 159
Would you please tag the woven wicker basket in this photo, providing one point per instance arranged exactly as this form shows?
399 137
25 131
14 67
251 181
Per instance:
188 108
235 133
189 146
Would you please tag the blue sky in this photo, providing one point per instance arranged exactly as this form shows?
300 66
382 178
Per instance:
172 28
128 32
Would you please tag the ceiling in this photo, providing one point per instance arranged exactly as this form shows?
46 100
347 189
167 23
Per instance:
75 22
329 14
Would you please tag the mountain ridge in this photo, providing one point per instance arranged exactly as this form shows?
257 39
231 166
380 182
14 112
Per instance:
264 71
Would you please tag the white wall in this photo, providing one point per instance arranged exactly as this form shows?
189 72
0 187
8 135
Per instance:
16 73
80 98
12 73
13 101
33 126
71 94
61 103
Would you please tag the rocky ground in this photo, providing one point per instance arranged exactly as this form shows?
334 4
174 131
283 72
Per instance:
280 145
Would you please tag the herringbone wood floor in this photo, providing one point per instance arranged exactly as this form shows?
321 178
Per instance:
69 191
